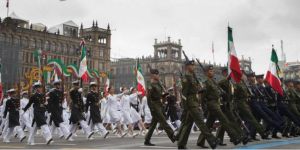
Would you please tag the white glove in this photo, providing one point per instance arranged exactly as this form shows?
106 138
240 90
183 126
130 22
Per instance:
80 90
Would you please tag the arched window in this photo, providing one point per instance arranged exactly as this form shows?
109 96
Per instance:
2 37
47 46
32 43
53 46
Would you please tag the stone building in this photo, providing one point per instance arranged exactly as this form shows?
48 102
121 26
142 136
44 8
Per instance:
19 39
167 58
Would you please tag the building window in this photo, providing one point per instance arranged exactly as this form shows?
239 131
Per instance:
32 43
2 37
47 46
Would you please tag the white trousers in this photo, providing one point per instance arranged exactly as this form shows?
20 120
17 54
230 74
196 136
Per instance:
10 132
84 125
45 132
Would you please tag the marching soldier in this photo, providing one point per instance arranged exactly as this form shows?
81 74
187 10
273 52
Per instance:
39 109
226 103
212 96
55 102
77 110
25 119
241 98
192 109
93 102
154 96
265 98
13 107
171 108
297 90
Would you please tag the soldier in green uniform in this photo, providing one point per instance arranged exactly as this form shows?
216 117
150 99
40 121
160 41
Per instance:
241 97
227 104
154 97
297 89
292 98
192 109
212 97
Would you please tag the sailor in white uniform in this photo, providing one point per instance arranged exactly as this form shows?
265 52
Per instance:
125 107
135 115
26 118
113 102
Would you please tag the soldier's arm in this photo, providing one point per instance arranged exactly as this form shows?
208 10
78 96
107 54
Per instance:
6 108
29 104
88 102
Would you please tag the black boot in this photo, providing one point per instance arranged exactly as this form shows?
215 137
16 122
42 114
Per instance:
148 143
182 147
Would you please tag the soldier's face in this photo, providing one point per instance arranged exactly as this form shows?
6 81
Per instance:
155 76
190 68
93 88
39 89
251 79
210 73
112 90
57 86
260 80
297 86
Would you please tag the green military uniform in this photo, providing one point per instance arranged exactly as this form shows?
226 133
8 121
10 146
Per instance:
227 106
293 98
241 96
154 96
192 112
212 97
298 99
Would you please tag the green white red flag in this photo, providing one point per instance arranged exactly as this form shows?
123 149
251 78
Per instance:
234 69
272 76
83 74
140 79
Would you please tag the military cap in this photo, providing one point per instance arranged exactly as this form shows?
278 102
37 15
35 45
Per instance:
189 62
288 81
209 67
56 82
297 81
93 84
75 82
121 89
260 76
11 90
154 71
131 89
24 92
250 74
171 89
37 84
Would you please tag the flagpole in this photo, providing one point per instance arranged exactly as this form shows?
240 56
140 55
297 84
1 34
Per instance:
7 6
213 52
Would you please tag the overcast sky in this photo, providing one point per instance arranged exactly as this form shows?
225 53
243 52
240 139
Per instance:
257 24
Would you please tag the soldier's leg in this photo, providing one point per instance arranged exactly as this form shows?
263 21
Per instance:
32 133
162 120
184 116
67 134
220 134
20 133
185 129
151 129
46 132
7 135
86 128
198 117
248 117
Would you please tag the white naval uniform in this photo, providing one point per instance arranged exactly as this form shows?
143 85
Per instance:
114 108
146 110
4 123
125 109
25 118
133 113
105 111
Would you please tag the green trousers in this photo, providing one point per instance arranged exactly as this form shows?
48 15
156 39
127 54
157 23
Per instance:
189 116
214 113
158 117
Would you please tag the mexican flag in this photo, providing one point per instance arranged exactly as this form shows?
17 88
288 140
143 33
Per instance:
1 88
140 79
234 70
83 64
272 76
107 84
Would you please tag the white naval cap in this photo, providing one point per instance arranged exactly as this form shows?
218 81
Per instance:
93 83
56 81
11 90
171 89
75 82
24 92
37 84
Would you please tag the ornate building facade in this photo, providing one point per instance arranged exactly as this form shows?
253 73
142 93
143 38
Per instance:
167 58
19 39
